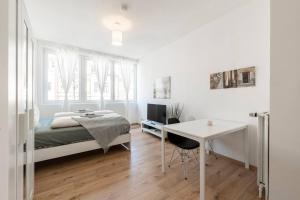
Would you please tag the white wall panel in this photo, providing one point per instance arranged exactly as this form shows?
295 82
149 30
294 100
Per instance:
238 39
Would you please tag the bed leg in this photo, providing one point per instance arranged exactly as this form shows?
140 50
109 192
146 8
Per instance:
127 146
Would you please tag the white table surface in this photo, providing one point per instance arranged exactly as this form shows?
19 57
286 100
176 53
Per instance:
200 131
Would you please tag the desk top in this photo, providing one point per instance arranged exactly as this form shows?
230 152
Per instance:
199 129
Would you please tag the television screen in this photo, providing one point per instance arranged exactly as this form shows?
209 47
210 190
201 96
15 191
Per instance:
157 113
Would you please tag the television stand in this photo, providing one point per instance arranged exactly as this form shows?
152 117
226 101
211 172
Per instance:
152 127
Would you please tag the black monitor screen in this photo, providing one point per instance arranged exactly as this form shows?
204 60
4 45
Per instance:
157 113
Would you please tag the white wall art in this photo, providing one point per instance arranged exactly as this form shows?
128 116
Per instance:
162 88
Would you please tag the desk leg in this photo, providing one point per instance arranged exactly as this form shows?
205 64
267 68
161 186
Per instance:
202 169
163 161
246 146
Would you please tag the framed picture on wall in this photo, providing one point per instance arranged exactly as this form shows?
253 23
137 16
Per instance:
216 81
162 88
246 77
230 79
242 77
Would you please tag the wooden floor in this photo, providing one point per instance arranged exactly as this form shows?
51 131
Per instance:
136 175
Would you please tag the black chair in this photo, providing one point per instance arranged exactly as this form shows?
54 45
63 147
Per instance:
182 145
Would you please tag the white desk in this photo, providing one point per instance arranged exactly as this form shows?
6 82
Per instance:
199 130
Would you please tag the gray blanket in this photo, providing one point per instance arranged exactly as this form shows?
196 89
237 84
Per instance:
104 128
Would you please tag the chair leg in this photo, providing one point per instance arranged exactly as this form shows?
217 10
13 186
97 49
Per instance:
196 155
187 154
186 167
184 164
184 154
172 157
211 146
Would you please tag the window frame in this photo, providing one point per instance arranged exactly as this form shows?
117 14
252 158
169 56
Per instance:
84 66
46 52
134 81
83 58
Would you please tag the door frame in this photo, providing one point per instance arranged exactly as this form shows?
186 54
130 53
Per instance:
11 95
23 109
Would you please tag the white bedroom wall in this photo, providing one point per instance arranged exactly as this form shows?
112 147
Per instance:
237 39
285 98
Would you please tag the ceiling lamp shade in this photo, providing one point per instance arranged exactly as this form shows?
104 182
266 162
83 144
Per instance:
117 38
117 24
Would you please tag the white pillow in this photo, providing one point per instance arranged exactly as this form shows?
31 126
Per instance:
65 114
111 115
103 112
64 122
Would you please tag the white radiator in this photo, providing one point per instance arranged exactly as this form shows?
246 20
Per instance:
263 154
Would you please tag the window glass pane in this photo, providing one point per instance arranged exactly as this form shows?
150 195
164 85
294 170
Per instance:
114 86
54 85
92 89
120 92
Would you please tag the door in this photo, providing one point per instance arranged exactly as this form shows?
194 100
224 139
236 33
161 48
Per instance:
29 143
25 138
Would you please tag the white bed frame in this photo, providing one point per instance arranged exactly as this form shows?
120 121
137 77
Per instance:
69 149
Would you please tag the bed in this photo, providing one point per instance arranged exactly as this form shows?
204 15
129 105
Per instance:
53 143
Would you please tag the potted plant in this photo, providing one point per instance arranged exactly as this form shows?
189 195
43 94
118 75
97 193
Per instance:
175 112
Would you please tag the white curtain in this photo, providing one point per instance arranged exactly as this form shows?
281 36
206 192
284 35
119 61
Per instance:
102 66
67 61
126 73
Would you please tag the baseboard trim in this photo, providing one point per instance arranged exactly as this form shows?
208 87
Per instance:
252 167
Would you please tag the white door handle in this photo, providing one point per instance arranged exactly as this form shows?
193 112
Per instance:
23 128
31 118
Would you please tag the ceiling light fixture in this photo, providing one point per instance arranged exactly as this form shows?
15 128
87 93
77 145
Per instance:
117 24
117 38
117 35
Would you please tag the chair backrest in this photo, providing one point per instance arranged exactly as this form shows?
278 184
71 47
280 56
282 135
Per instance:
173 138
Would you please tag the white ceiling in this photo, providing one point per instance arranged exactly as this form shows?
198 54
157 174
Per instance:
154 22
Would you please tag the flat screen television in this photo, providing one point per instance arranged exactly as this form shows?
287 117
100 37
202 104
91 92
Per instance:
157 113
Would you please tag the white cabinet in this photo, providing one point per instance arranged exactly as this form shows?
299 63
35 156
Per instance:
152 127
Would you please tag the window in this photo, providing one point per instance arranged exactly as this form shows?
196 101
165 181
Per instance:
120 92
92 89
55 91
84 87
